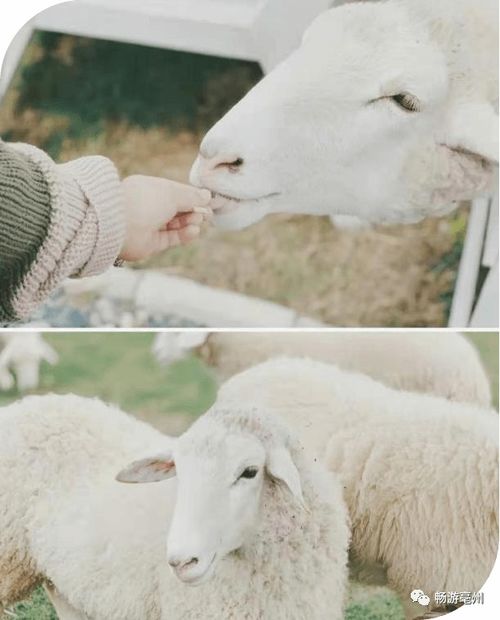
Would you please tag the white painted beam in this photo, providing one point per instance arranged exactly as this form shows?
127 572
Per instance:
465 287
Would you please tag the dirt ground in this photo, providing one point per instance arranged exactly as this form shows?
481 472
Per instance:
398 276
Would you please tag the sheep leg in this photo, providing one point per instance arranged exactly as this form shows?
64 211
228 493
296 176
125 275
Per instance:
63 609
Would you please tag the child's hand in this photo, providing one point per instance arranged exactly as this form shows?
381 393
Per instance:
160 214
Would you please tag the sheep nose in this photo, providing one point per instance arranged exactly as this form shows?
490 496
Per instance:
179 563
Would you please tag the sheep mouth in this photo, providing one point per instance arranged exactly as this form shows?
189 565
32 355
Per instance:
225 203
216 195
199 578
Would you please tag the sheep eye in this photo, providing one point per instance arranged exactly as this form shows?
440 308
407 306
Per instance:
249 472
407 102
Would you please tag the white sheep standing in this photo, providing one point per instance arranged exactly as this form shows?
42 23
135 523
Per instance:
387 113
21 357
420 473
444 364
259 528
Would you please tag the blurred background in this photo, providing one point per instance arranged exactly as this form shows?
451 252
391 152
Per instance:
147 110
121 368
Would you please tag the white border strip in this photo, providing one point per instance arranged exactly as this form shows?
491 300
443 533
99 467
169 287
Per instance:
13 16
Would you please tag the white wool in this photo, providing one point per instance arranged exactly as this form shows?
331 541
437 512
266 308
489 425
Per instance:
101 545
420 473
443 364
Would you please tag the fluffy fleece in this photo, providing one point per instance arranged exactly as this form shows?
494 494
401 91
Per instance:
102 544
443 364
420 473
58 454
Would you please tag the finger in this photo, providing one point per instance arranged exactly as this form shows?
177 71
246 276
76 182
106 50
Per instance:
173 225
172 238
203 210
208 214
181 221
185 197
167 239
190 233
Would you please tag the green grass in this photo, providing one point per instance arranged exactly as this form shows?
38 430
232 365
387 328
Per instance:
487 345
377 608
92 82
120 368
380 607
38 607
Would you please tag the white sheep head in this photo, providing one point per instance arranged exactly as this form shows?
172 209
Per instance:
221 475
368 118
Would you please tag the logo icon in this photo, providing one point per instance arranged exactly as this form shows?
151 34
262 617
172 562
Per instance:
418 596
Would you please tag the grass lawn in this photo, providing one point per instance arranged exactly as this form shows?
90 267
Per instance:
120 368
487 345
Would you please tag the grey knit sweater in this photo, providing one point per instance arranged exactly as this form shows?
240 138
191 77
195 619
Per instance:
56 221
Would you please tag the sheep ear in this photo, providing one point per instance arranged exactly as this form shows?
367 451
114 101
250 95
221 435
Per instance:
281 468
153 469
473 128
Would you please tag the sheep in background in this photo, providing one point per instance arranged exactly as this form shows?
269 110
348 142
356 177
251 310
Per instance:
386 114
420 473
444 364
7 381
274 547
21 357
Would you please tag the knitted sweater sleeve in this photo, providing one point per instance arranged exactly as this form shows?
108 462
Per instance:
56 221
